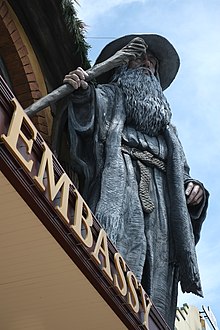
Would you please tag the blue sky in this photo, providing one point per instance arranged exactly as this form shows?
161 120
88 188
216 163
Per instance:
193 27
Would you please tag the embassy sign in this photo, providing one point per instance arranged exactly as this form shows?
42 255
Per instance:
31 167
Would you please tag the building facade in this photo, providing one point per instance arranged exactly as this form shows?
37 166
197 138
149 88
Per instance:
191 318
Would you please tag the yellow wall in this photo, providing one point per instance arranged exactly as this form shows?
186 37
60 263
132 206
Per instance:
188 317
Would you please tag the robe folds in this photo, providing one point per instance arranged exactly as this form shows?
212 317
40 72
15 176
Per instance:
158 245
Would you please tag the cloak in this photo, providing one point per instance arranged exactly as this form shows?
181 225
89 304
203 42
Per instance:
159 245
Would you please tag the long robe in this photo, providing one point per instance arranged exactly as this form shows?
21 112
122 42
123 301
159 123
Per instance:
158 246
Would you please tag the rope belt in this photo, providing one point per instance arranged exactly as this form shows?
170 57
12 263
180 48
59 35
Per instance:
145 160
145 157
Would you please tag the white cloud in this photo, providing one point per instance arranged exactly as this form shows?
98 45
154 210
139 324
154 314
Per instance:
89 11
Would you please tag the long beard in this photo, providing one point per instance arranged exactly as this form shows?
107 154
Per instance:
146 106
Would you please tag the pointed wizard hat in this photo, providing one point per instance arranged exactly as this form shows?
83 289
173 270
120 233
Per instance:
159 46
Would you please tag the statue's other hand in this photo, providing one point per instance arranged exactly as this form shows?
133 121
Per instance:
77 78
194 193
134 49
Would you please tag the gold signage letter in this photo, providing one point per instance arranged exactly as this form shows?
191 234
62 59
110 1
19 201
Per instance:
121 268
102 246
15 131
82 220
132 295
146 303
63 183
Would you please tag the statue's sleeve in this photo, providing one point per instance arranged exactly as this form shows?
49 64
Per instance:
89 115
80 128
197 212
91 110
81 111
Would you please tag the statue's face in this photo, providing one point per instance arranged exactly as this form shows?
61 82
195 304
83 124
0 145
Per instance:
147 60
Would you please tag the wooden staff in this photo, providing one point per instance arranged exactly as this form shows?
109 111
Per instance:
135 48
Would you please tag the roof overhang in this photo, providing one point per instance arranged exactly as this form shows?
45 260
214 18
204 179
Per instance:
41 288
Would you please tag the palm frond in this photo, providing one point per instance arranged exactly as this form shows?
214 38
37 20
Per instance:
77 29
